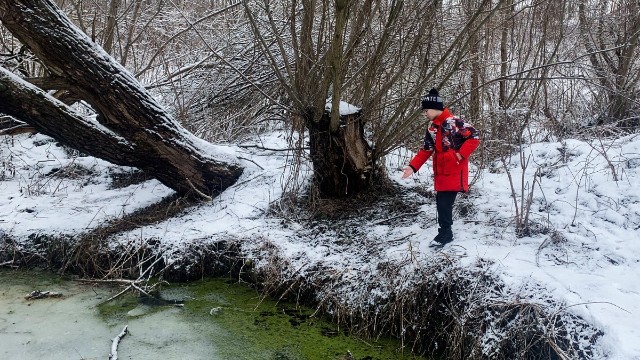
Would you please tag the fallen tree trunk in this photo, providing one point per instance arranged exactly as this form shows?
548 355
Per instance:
51 117
140 132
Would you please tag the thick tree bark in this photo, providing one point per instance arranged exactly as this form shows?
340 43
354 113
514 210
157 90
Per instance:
142 133
342 159
49 116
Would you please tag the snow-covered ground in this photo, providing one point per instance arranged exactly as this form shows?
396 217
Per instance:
584 250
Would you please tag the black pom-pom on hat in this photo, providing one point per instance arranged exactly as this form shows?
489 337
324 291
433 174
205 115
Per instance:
432 100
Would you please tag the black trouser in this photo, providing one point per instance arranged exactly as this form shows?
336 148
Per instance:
444 205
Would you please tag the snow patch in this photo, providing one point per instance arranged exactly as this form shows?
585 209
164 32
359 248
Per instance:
345 108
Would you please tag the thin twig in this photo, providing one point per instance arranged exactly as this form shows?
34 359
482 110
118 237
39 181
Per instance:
109 281
243 158
115 341
142 291
269 149
205 196
116 295
598 302
395 217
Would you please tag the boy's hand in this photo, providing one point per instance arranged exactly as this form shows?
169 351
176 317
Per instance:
408 171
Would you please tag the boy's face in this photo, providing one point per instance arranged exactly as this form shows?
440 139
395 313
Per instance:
431 113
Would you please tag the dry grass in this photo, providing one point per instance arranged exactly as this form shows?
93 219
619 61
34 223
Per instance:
441 310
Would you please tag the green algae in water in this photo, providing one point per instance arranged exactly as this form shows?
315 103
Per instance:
31 279
221 319
115 311
258 328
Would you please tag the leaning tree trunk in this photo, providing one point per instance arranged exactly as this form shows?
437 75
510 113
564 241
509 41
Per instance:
50 116
341 159
134 127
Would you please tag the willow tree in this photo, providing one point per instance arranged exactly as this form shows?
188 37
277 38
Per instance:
380 56
131 127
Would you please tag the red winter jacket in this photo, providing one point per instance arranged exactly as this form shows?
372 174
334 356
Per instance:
452 136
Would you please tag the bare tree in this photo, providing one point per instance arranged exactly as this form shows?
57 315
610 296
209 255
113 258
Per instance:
610 32
381 56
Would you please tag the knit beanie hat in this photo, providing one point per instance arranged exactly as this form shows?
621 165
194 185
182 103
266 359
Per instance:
432 100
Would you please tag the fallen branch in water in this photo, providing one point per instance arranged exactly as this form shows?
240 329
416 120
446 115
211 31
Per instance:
35 295
131 285
117 295
109 281
115 342
141 284
142 290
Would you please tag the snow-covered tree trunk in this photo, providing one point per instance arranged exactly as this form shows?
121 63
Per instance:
138 130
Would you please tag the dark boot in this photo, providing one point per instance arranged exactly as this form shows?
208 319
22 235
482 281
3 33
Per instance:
445 236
